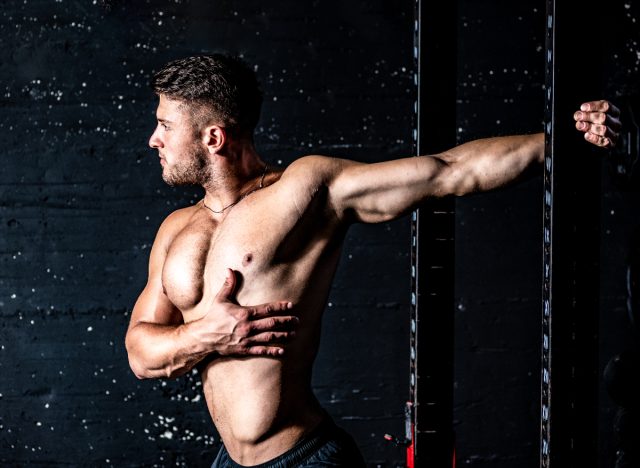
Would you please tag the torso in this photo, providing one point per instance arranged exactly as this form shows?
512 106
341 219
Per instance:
284 244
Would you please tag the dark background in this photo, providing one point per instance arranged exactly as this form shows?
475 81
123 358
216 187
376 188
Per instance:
81 199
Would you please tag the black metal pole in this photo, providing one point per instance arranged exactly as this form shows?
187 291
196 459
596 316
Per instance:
568 430
431 373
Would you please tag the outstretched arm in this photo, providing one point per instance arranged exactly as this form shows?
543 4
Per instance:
379 192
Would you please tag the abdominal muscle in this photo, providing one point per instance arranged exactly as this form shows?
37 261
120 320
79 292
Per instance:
261 406
258 411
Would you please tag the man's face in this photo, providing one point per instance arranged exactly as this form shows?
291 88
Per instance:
183 156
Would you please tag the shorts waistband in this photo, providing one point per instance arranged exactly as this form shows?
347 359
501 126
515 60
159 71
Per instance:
306 447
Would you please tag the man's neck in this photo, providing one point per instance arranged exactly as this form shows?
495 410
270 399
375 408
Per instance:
238 171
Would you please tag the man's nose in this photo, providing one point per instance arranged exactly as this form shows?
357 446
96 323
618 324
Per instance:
154 141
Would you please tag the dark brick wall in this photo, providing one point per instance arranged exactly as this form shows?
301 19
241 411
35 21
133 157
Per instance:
81 199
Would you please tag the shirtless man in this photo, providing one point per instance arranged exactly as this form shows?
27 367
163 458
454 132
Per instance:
267 234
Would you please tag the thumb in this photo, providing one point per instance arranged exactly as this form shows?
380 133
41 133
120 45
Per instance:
226 291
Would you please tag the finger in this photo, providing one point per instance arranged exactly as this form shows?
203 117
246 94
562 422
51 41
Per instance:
597 118
254 350
269 309
592 117
600 106
598 140
274 323
609 129
582 126
265 351
599 130
269 338
226 291
596 129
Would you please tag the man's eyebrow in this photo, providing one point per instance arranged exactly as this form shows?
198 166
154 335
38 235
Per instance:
163 120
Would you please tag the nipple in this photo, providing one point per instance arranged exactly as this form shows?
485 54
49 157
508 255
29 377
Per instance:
247 259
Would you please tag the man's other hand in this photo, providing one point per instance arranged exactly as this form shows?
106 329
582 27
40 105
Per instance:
600 122
261 330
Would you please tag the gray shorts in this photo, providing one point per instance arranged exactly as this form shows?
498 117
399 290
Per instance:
326 445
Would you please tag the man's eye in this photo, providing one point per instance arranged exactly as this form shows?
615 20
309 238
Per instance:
164 126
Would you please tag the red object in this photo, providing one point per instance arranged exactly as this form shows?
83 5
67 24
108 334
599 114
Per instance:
454 456
410 452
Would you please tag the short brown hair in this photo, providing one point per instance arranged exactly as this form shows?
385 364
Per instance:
222 86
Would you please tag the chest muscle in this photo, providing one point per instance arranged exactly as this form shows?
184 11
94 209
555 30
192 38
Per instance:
261 240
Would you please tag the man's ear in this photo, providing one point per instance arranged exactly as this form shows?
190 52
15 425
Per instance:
214 138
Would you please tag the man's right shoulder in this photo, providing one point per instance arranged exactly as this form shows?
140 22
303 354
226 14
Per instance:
176 221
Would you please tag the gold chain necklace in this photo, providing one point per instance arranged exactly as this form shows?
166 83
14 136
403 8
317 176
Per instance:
242 197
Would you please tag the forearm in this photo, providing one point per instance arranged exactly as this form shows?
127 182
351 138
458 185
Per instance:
487 164
157 351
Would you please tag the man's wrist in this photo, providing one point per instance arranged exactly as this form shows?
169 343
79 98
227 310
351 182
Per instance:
199 340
